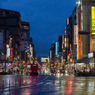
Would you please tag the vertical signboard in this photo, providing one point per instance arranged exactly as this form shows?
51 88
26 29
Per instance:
11 53
67 21
31 55
1 40
75 34
62 42
65 31
56 48
8 52
93 19
50 54
31 51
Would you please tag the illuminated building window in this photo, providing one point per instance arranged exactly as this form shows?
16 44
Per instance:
26 27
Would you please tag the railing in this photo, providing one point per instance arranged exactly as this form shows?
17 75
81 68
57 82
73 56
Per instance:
9 85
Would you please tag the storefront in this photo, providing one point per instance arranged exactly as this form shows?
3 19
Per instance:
86 63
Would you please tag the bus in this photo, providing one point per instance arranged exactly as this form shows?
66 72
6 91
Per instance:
34 69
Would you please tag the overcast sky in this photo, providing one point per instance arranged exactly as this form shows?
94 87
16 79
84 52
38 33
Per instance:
47 19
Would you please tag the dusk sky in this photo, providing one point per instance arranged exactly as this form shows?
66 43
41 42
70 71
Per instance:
47 19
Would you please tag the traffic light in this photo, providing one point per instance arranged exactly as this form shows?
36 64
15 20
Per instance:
28 56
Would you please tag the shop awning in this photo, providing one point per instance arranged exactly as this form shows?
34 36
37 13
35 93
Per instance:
3 61
83 60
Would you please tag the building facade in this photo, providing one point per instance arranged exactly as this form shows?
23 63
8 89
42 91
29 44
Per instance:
25 39
10 21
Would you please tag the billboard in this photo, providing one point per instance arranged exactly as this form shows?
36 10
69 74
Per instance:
75 34
1 40
56 48
11 53
44 59
93 19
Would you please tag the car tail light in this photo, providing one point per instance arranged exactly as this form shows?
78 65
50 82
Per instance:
30 71
37 71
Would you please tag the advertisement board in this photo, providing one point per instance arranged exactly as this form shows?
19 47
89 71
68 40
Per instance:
56 48
91 55
75 34
8 52
44 59
31 61
11 53
1 40
93 19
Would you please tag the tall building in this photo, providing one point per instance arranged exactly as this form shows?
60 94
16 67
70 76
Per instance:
86 32
10 20
69 32
52 52
66 46
79 44
60 49
86 9
25 31
25 41
74 34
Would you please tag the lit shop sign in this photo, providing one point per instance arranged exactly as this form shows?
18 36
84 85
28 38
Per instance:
31 51
65 31
90 55
75 34
93 19
44 60
67 21
56 48
31 61
11 53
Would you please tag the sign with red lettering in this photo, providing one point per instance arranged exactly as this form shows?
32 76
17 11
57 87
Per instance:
75 34
11 53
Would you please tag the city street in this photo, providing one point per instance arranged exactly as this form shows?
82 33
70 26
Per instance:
47 85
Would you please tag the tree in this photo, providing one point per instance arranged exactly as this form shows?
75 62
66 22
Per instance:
22 67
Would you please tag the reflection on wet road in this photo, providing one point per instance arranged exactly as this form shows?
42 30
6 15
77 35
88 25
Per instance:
49 85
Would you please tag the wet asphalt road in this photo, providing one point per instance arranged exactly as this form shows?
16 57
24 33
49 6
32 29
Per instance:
47 85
